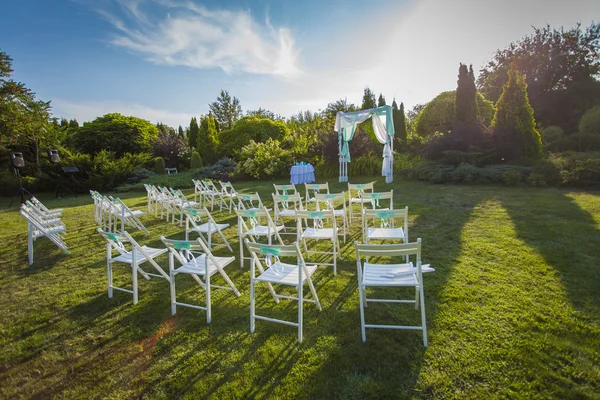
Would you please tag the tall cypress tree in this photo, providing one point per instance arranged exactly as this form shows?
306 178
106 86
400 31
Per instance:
193 133
381 100
514 125
368 100
213 138
202 144
399 122
180 133
465 106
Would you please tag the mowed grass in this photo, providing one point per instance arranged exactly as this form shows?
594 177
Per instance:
513 311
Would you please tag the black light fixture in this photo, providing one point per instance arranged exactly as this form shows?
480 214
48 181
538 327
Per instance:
17 160
53 156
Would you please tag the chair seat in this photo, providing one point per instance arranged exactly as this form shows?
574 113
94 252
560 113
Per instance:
137 213
262 230
189 203
230 195
287 213
196 266
356 200
320 233
339 213
385 233
213 229
286 274
128 257
382 274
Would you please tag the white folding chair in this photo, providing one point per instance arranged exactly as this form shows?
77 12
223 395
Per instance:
285 206
320 225
393 225
271 270
314 188
194 223
195 258
55 212
249 201
211 192
182 203
391 275
38 227
199 191
330 201
228 194
125 215
355 191
285 189
135 257
250 226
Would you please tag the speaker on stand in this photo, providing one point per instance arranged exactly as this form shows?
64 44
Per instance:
18 163
60 190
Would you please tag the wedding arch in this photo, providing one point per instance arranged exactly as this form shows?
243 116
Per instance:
383 125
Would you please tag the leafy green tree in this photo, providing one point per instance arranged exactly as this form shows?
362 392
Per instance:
514 126
117 133
590 122
465 105
196 161
25 123
250 128
193 133
340 105
73 124
561 68
212 139
438 114
368 100
226 110
381 101
262 113
180 133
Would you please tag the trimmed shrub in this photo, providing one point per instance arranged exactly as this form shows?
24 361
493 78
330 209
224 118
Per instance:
438 114
265 160
514 126
589 124
159 166
196 161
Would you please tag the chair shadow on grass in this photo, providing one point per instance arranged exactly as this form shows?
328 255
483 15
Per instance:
566 236
389 363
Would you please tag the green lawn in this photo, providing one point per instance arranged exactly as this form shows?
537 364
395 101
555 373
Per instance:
513 311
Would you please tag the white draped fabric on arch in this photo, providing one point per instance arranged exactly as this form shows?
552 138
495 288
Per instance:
383 125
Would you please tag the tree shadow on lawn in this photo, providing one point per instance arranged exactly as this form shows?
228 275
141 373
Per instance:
566 236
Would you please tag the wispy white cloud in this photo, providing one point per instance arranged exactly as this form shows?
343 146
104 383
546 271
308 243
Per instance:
191 35
87 111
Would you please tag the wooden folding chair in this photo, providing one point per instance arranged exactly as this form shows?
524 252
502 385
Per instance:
395 275
330 201
250 226
135 257
355 191
195 258
38 227
285 206
320 225
311 189
194 223
272 271
228 194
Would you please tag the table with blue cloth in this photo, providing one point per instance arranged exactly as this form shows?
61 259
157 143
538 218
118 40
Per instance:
304 173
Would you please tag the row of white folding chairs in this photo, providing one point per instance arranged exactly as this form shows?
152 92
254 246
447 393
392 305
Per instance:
205 191
170 202
43 222
113 215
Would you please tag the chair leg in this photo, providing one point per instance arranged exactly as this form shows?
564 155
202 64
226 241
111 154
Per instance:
110 279
252 311
423 320
362 312
300 309
173 299
241 252
134 282
208 304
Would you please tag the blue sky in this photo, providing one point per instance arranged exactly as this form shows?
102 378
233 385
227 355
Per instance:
166 60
